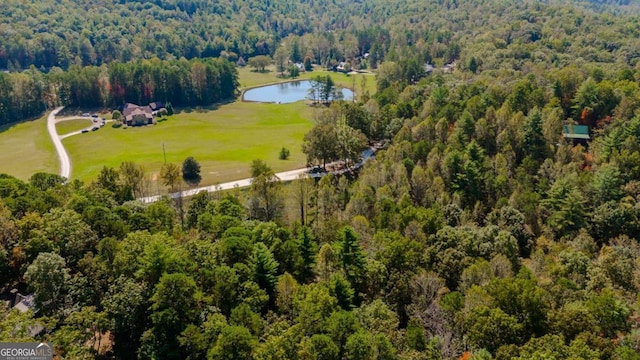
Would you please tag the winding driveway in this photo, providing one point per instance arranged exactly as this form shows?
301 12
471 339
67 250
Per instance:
65 163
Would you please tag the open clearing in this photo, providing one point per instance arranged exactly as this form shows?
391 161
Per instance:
223 141
25 148
69 126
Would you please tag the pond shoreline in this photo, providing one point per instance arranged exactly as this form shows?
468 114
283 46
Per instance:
287 92
265 85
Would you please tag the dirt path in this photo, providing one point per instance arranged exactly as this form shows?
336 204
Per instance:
283 176
65 163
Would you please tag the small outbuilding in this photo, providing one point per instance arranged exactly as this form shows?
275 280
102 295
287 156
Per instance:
576 132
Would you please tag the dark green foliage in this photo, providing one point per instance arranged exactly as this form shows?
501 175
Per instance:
307 64
284 154
415 336
534 142
30 93
350 256
308 250
321 347
491 328
174 305
191 170
234 343
342 291
264 268
521 298
235 249
359 346
244 316
340 326
49 279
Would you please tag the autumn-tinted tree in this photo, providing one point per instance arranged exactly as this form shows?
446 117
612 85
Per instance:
266 201
170 175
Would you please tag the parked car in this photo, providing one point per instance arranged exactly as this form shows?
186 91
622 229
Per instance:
84 131
85 114
94 128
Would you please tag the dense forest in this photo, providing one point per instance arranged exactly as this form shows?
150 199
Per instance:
180 82
479 232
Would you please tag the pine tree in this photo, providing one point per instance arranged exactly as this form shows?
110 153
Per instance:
308 249
534 142
265 268
350 255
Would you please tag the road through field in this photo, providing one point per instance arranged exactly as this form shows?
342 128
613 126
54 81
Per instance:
65 163
283 176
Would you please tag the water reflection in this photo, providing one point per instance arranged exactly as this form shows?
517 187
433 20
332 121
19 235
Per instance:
286 92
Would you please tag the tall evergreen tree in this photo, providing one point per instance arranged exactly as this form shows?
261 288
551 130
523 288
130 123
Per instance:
265 268
308 250
351 257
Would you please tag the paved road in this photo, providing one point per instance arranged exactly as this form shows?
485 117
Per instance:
65 163
283 176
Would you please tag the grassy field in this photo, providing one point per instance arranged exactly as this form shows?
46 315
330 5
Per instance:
69 126
224 141
25 148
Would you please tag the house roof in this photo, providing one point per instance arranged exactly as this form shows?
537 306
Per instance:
130 110
576 132
156 105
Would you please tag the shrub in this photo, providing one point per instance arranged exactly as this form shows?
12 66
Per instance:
191 170
284 153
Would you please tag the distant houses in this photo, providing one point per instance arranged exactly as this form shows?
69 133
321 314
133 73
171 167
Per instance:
136 115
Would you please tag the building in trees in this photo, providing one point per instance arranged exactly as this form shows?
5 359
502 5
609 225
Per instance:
576 133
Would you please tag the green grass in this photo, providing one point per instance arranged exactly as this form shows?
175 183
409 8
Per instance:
69 126
25 148
223 141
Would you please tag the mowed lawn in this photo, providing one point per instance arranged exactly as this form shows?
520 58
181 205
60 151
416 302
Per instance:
69 126
25 148
224 141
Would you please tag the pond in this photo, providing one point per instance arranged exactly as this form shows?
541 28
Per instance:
286 92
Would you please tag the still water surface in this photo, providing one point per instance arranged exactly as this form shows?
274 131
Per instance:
285 92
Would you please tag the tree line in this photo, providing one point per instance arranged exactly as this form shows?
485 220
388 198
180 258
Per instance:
480 232
197 82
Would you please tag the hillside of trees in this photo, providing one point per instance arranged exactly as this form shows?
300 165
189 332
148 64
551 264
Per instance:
181 82
62 33
479 232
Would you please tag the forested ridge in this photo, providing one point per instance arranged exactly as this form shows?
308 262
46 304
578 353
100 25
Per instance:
479 232
198 82
50 34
